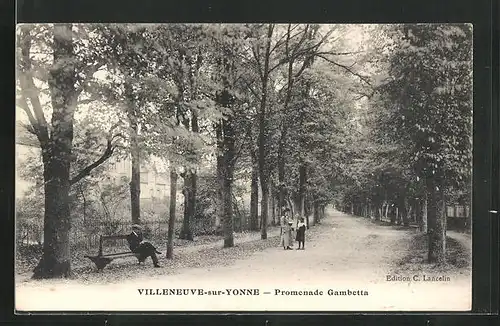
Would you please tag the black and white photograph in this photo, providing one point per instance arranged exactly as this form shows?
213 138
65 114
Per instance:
243 167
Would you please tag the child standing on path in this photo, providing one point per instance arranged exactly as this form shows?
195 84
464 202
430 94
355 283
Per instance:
301 233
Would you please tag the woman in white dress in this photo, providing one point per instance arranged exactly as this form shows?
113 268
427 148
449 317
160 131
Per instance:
286 231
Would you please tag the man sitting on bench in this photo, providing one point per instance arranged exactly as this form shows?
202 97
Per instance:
143 248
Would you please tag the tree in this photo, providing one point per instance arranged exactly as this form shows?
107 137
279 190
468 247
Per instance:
430 70
67 76
128 66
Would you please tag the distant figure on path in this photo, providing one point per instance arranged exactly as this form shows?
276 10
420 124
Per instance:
301 233
286 231
145 249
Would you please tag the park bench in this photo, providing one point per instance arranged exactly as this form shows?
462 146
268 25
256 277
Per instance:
101 260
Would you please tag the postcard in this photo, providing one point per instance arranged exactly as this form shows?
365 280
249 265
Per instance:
243 167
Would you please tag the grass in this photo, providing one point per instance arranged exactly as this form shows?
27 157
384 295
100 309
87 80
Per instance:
187 254
204 257
458 257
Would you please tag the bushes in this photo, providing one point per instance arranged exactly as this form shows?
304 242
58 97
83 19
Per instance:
29 220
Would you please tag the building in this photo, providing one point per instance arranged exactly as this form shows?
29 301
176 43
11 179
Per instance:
154 179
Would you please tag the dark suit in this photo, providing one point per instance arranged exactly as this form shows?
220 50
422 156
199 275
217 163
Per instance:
144 249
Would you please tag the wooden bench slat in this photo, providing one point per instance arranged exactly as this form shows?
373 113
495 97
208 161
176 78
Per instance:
128 253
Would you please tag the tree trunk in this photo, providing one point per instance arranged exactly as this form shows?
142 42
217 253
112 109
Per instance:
56 156
84 205
404 212
307 211
171 217
394 214
422 212
302 190
227 220
192 198
378 210
316 214
227 193
436 218
220 179
56 256
273 208
135 181
186 232
281 178
468 223
264 209
264 169
254 196
190 181
194 175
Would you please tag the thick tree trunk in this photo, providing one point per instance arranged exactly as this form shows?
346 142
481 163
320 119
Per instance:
56 156
436 218
171 217
56 256
254 198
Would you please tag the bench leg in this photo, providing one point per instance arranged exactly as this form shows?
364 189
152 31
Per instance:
100 262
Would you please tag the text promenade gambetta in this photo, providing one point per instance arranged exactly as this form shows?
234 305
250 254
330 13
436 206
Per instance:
250 292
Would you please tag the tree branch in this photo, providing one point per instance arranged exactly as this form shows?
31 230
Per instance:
28 89
251 89
257 59
285 35
348 69
105 156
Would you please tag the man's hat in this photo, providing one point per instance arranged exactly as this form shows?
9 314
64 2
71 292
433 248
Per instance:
136 227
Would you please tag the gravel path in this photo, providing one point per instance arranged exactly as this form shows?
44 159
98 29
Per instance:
346 254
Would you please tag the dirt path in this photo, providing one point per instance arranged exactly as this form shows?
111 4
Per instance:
345 253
